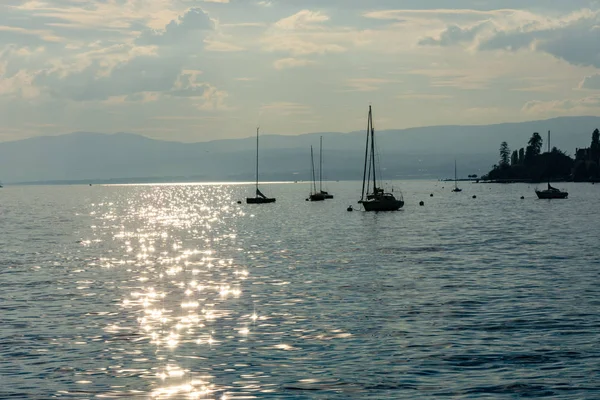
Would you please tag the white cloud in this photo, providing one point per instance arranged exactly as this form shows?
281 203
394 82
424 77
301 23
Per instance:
192 26
367 84
580 106
285 109
291 63
423 96
304 19
212 99
572 37
114 63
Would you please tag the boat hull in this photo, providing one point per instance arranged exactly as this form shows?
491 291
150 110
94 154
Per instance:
547 195
316 197
382 204
259 200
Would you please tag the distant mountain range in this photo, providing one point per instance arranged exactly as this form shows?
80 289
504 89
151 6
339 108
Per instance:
426 152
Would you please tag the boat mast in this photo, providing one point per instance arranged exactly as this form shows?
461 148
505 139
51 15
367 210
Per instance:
455 184
548 157
257 128
312 163
321 165
366 155
373 151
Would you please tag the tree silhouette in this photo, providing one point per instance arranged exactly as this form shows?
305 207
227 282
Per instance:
595 147
528 164
514 158
535 142
504 154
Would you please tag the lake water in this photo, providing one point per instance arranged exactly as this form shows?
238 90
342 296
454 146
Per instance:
176 291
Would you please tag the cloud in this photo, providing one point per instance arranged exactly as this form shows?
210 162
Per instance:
212 99
141 74
99 63
440 13
590 82
193 25
466 78
304 19
20 84
453 35
424 96
153 65
23 36
302 34
366 84
300 45
583 106
572 37
291 63
285 109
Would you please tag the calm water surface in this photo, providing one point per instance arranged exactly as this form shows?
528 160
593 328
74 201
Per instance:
176 291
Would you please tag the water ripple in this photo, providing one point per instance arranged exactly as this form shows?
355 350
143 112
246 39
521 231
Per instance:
176 291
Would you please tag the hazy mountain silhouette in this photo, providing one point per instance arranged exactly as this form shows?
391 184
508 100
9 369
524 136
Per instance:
426 152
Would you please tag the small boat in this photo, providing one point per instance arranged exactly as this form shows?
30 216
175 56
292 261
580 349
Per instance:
324 193
259 197
456 188
551 192
314 195
375 198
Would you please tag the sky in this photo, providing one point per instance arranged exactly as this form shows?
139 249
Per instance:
191 70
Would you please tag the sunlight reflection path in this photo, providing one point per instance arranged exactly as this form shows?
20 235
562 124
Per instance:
180 247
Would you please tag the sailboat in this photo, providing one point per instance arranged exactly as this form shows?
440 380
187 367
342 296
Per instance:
314 195
259 197
456 188
374 198
324 193
551 192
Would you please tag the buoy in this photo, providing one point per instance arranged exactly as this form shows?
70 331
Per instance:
474 196
349 208
239 202
421 203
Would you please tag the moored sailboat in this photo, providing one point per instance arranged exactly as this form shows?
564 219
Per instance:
314 195
374 198
551 192
324 193
456 188
259 197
